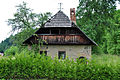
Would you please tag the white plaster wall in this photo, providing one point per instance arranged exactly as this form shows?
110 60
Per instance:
72 51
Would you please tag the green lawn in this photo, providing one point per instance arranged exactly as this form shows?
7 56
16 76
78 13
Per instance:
106 59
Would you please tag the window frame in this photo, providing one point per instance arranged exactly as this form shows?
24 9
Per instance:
59 54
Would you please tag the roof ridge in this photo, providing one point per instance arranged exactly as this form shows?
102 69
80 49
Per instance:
60 19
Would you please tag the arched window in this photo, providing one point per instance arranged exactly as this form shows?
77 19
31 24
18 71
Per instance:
82 59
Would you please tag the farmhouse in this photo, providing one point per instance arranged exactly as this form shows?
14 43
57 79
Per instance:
61 37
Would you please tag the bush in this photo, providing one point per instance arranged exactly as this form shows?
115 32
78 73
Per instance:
11 51
24 66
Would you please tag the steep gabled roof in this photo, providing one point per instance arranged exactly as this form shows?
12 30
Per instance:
61 21
58 20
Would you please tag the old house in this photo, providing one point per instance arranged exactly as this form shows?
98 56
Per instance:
61 37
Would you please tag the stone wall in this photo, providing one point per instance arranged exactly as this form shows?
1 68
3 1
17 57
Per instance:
72 51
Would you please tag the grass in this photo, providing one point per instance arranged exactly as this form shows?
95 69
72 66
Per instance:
106 59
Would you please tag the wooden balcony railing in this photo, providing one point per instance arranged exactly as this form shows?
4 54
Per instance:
63 39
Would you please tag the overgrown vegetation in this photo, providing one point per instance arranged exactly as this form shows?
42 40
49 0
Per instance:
24 66
4 45
106 59
100 20
11 51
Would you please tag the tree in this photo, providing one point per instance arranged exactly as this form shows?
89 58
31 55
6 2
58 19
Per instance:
94 18
25 22
24 18
5 44
113 37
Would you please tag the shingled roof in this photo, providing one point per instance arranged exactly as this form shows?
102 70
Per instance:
70 33
59 20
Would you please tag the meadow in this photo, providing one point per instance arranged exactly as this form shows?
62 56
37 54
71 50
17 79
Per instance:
106 59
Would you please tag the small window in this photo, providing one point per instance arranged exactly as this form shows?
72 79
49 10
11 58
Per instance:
44 31
55 31
83 59
61 54
43 52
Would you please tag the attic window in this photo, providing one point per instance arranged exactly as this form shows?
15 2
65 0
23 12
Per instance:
44 31
72 12
55 31
72 32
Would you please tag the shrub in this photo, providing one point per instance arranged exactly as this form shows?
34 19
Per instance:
11 51
24 66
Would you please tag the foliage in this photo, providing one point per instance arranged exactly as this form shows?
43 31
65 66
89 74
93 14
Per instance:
106 59
26 22
96 19
24 66
24 18
11 51
35 48
20 37
5 44
113 35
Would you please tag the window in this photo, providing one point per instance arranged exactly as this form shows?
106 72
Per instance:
61 54
83 59
44 31
55 31
43 52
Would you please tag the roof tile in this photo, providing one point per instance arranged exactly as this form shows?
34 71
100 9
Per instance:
59 20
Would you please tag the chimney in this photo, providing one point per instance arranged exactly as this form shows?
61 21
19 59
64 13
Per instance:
72 15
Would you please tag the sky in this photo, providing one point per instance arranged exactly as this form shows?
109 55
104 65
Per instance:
7 8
